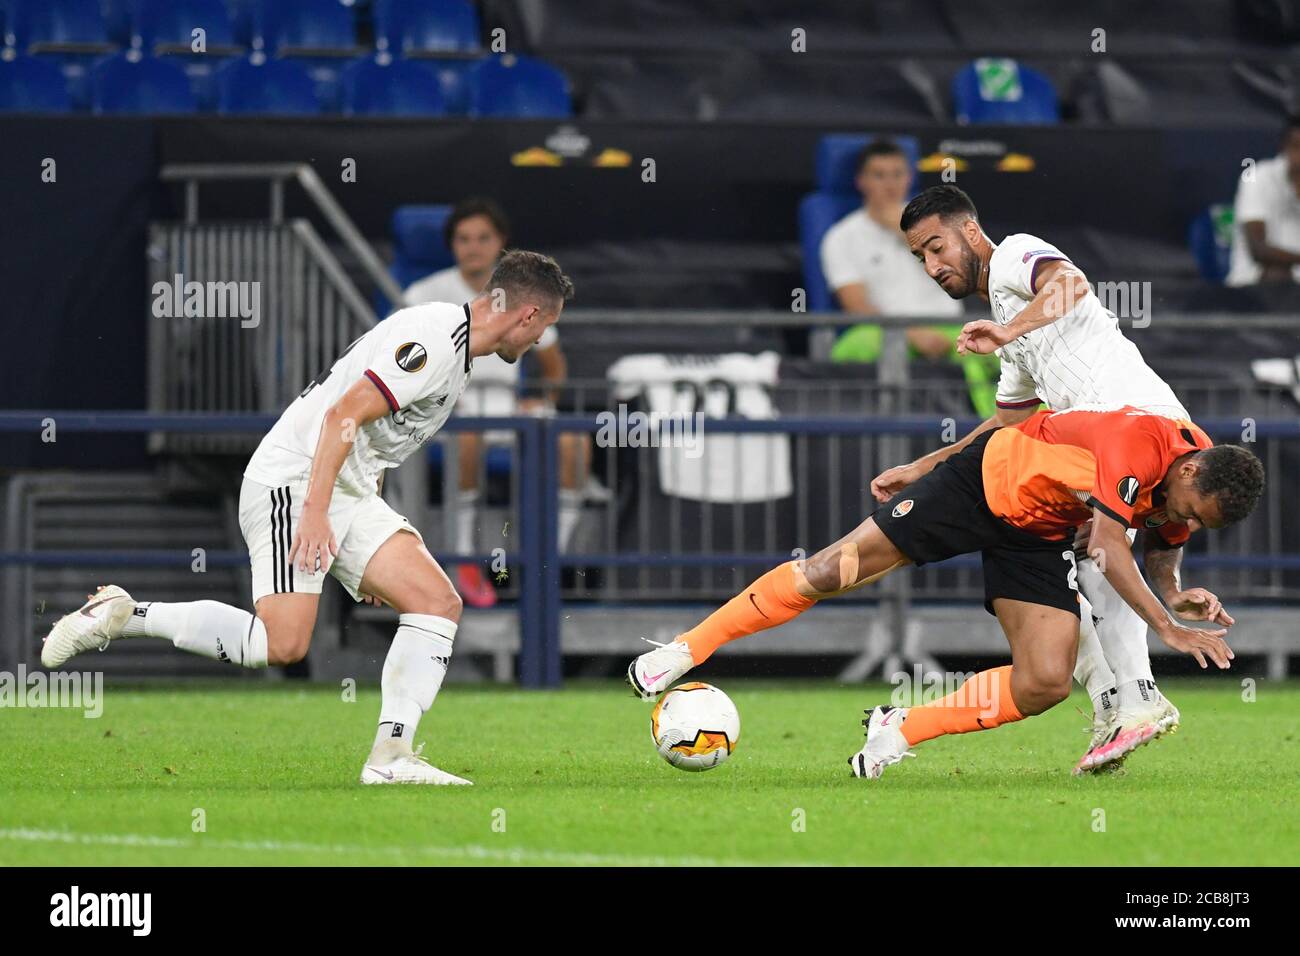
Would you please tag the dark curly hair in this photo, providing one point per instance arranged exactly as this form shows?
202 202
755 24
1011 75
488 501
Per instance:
944 201
1233 476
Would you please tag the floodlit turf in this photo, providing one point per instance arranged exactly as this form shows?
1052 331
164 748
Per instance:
573 779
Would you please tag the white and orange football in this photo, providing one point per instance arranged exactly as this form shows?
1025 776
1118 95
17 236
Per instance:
695 726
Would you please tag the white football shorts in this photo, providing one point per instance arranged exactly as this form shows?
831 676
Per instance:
268 517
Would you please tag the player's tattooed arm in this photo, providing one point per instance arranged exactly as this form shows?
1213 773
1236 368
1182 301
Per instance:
1110 548
1162 565
314 544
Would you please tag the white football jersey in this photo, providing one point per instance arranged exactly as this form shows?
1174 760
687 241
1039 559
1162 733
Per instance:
418 358
1080 359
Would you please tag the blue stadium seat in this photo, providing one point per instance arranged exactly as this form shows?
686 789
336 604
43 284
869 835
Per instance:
835 197
165 29
383 86
510 85
320 34
173 22
419 248
72 34
133 83
118 17
29 85
1003 91
302 26
259 84
34 25
454 80
1210 239
413 27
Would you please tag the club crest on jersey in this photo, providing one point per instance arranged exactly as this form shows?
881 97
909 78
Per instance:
902 508
411 357
1127 489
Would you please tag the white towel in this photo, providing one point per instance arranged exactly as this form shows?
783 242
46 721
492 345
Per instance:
722 467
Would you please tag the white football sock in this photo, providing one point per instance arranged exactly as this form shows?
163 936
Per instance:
1138 694
570 512
1090 667
207 628
1123 634
466 515
1123 637
413 672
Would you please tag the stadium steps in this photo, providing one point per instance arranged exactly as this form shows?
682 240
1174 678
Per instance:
124 512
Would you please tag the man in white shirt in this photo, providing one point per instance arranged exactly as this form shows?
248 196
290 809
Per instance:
477 233
1266 218
1058 345
869 268
310 505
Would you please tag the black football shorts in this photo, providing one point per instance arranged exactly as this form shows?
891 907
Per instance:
945 514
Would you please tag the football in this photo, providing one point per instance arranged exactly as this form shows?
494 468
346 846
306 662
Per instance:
695 726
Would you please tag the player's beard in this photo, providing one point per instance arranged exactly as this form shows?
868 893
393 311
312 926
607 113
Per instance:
969 272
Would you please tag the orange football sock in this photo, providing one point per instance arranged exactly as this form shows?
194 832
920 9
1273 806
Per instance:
768 602
982 703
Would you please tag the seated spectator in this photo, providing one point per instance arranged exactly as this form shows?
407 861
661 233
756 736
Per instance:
477 234
1266 216
868 266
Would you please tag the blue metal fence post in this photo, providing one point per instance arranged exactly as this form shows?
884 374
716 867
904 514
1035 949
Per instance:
532 598
550 534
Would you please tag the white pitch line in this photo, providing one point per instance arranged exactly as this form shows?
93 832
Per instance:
469 852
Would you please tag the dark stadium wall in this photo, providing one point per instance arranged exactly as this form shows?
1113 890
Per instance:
76 196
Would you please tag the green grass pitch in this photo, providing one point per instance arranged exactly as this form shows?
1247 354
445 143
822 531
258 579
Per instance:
570 777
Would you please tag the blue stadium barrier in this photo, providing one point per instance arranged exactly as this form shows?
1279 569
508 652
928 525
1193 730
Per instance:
539 556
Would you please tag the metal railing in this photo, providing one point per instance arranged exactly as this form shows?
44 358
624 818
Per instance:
244 314
650 558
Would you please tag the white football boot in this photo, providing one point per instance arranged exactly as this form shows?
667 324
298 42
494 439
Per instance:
1144 714
885 744
1104 730
407 766
655 671
90 628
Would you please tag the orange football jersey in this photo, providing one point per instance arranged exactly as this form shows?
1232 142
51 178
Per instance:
1046 474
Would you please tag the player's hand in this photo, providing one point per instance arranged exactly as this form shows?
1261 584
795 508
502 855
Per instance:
1198 604
1199 643
890 482
982 337
370 599
313 543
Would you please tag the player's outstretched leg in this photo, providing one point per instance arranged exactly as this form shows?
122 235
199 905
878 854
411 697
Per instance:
405 576
208 628
1043 644
780 595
